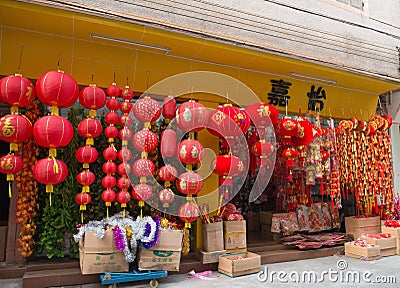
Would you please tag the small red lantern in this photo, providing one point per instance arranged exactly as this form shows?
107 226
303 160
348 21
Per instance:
189 183
110 153
125 134
146 109
127 93
191 116
112 118
125 107
124 169
108 196
111 132
124 183
287 127
290 154
113 90
15 129
190 151
53 131
109 167
85 178
83 199
168 108
17 91
90 128
109 181
145 140
86 155
123 198
142 192
124 154
228 121
263 149
143 167
227 165
112 104
125 120
262 114
93 98
56 88
166 196
188 213
50 171
167 173
168 143
10 165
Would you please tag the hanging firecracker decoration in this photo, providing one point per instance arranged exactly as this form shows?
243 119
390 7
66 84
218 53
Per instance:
290 154
169 108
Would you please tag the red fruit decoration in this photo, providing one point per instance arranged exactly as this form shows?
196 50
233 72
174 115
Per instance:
17 92
55 89
168 108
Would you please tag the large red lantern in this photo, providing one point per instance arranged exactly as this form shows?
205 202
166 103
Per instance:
168 143
287 127
190 151
124 154
143 167
93 98
167 173
146 109
191 116
166 196
262 114
85 178
10 165
145 140
306 133
17 91
110 153
83 199
53 131
189 183
86 155
228 121
50 171
90 128
142 192
168 108
15 129
188 213
56 88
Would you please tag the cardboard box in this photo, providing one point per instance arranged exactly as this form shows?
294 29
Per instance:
357 232
235 235
100 255
239 264
3 242
266 217
395 232
213 237
366 253
209 257
252 222
362 226
166 255
267 234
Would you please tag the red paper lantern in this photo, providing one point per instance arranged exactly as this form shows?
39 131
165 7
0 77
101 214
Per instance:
142 192
167 173
108 181
306 133
112 104
110 153
108 196
123 198
191 116
125 120
53 131
125 107
109 167
112 118
124 169
124 183
113 90
17 91
85 178
145 140
124 154
92 97
287 127
90 128
125 134
166 196
86 155
262 148
169 107
189 183
143 167
190 151
83 199
168 143
146 109
227 165
188 213
15 129
127 93
10 165
111 132
228 121
262 114
290 154
56 88
50 171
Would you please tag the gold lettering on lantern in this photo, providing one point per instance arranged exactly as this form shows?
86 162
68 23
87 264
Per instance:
29 92
263 111
7 129
240 166
6 164
218 117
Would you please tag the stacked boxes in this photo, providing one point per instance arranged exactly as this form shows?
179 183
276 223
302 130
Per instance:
395 232
358 226
235 236
368 252
213 243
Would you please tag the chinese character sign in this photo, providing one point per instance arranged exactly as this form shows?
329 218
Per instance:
316 99
279 93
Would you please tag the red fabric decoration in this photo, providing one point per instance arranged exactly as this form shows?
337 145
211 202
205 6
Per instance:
10 164
166 196
191 116
287 127
290 154
112 118
306 134
146 109
167 173
15 128
169 107
90 128
262 148
108 196
123 197
125 120
109 167
143 167
125 134
83 199
228 121
189 183
111 132
86 155
53 131
56 88
92 97
110 153
145 140
190 151
124 183
168 143
142 192
17 91
125 107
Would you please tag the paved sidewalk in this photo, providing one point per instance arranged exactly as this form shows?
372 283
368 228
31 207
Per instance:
343 272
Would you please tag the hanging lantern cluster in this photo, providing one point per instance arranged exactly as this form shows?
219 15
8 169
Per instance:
58 90
92 98
16 91
146 110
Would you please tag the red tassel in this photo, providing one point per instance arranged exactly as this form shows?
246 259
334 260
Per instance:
290 176
332 206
